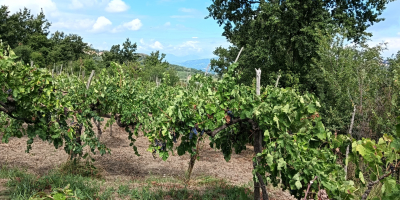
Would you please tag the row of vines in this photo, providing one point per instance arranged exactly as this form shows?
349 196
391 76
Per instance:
292 147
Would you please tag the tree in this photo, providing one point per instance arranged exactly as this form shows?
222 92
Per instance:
154 66
124 55
282 35
20 27
356 76
67 48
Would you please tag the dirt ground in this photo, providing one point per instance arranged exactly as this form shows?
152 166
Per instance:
123 164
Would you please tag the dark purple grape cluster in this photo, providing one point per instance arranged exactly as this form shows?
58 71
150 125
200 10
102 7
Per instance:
230 114
194 131
161 144
9 91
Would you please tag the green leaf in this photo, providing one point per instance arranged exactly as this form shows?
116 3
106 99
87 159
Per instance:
21 90
388 186
285 109
281 164
298 185
296 177
270 159
276 119
266 133
59 196
361 177
395 144
311 108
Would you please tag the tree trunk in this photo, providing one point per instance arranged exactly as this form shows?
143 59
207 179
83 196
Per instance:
99 132
193 160
257 137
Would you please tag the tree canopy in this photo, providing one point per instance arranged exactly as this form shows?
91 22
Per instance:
121 55
282 36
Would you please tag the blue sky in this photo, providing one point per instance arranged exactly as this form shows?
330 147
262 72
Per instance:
175 27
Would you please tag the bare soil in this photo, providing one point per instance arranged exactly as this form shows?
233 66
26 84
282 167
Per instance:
123 164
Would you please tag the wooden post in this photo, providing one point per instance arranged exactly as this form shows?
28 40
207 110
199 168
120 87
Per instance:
31 63
258 79
52 73
277 80
237 57
348 146
111 129
205 74
70 65
257 143
61 68
89 81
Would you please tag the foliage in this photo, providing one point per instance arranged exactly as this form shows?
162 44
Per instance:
30 95
66 48
356 76
155 67
121 55
22 27
57 194
282 36
297 146
380 160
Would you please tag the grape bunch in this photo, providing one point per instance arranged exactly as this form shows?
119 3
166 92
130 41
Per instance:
194 130
230 114
158 143
9 91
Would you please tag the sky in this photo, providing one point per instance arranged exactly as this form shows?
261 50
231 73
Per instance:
177 28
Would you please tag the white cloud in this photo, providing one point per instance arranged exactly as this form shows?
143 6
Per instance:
167 24
101 23
189 45
398 33
195 37
133 25
187 10
156 45
116 6
393 45
77 24
76 4
117 29
49 6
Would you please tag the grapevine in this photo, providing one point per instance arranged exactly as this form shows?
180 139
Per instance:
296 147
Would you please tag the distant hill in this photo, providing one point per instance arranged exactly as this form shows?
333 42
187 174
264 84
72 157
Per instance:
186 68
199 64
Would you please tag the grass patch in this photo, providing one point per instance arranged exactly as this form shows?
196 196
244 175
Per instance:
231 192
23 185
85 169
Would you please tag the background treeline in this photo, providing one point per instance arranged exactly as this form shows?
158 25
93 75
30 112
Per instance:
320 47
29 36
